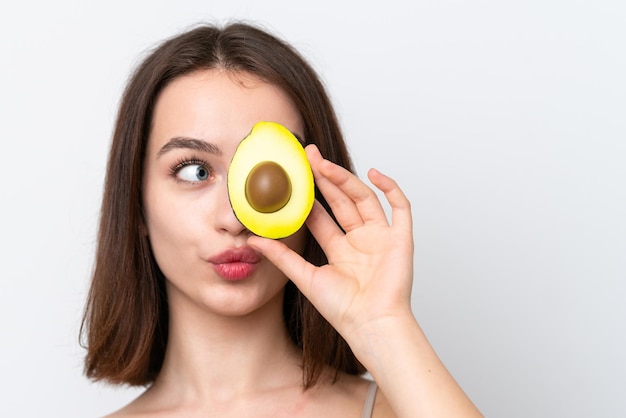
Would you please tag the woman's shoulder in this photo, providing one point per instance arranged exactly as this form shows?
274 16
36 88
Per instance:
366 395
380 407
125 413
129 412
136 409
353 396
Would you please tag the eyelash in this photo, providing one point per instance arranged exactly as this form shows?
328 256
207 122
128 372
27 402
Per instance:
184 162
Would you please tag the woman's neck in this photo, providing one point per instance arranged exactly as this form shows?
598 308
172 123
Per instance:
222 356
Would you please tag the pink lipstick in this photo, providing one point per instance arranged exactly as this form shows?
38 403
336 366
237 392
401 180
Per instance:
236 263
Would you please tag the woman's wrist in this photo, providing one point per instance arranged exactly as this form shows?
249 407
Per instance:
400 358
379 342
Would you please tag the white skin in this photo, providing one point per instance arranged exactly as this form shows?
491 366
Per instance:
228 353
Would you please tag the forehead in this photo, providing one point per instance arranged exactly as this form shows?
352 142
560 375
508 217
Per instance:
219 106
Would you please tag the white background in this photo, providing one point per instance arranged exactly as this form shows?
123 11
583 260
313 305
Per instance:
505 122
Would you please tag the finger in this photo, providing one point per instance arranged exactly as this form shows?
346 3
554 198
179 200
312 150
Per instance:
344 209
401 216
288 261
323 227
350 186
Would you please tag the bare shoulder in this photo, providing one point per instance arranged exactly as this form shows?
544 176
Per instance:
119 414
135 409
354 391
382 409
347 394
130 413
125 413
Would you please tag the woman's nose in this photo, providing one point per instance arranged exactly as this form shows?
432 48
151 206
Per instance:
225 216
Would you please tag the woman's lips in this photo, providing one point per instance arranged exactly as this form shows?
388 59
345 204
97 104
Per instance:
235 263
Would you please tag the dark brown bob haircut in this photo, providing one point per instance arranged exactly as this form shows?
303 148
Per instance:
125 325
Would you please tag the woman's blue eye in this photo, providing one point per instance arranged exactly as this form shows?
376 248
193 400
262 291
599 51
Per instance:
193 173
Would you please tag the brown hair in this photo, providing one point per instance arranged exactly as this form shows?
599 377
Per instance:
125 325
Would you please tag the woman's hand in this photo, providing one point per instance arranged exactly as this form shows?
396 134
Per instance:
368 277
364 290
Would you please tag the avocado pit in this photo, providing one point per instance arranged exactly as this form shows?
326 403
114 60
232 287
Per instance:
268 188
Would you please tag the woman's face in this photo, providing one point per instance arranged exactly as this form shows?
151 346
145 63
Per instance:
200 246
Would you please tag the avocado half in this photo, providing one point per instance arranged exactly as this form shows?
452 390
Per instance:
270 183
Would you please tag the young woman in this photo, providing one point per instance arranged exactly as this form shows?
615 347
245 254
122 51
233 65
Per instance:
218 322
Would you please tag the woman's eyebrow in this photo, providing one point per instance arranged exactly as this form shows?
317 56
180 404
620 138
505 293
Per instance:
189 143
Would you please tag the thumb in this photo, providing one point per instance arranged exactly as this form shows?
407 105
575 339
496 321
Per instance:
296 268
